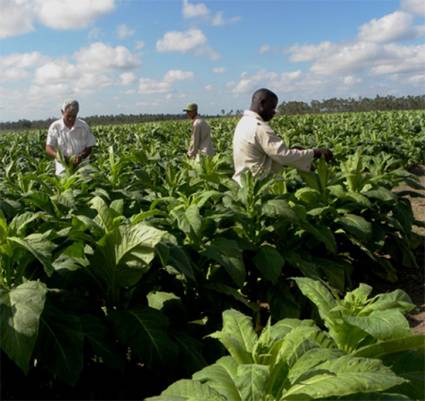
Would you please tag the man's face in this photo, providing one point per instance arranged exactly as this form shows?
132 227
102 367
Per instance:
268 109
69 117
191 113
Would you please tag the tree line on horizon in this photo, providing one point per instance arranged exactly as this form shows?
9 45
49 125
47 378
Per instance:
332 105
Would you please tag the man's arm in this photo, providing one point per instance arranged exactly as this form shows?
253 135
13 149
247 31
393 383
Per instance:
275 148
194 142
51 151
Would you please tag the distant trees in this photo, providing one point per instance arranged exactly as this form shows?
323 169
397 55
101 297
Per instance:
333 105
338 105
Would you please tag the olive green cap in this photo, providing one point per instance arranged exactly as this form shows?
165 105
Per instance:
191 107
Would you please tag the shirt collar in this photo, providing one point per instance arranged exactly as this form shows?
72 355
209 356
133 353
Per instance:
76 124
252 114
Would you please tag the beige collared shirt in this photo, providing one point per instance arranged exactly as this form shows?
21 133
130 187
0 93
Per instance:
71 141
256 147
201 141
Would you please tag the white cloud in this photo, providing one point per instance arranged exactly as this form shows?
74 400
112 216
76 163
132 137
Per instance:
391 27
177 75
346 59
176 41
416 7
208 52
218 19
127 78
200 10
149 86
350 80
100 56
56 72
191 10
295 82
16 18
139 45
124 32
71 14
219 70
264 49
18 65
401 59
19 16
310 52
209 88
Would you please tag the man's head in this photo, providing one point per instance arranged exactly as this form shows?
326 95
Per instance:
191 110
264 103
70 110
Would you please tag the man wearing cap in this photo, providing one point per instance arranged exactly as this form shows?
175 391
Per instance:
257 148
70 135
200 142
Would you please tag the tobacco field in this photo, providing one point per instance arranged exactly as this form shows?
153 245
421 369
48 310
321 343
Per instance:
147 275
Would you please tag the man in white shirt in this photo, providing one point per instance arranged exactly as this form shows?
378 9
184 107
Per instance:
200 142
256 147
70 135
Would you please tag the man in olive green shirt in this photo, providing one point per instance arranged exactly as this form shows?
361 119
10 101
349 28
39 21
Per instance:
200 141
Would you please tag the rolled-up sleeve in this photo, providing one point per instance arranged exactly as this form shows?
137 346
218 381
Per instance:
90 138
274 147
52 137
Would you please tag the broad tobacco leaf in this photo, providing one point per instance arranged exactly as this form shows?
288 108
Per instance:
20 310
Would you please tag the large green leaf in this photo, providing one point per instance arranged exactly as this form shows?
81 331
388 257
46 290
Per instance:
145 330
222 377
318 294
251 381
279 208
411 366
105 215
20 310
188 390
228 253
382 348
269 262
190 352
383 325
72 258
39 247
123 255
60 345
173 255
343 376
382 194
356 225
100 337
396 299
237 335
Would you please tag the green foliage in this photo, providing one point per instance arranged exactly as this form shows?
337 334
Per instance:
290 360
134 257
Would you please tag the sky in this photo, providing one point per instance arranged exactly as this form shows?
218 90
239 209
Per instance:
140 56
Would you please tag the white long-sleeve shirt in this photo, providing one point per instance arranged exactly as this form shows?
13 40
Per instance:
200 142
256 147
71 141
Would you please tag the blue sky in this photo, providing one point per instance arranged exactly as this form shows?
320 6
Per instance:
138 56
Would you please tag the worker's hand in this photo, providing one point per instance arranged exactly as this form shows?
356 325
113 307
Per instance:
75 160
327 153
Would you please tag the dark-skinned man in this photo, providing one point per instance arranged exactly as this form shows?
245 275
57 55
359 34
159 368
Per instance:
256 147
71 135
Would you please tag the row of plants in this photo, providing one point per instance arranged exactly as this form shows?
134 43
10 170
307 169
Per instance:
364 352
128 263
